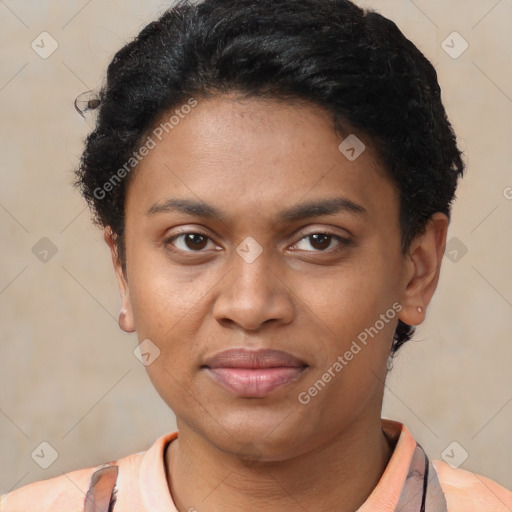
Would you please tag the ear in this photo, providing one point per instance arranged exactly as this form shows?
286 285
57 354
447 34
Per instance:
423 266
126 320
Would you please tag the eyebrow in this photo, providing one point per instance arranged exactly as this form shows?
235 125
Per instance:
297 212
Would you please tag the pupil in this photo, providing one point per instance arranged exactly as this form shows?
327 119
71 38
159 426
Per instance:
321 238
195 239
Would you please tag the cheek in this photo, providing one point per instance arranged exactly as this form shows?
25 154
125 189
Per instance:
161 294
169 306
357 294
360 310
165 308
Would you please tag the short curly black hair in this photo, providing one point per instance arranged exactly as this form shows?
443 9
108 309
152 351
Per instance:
354 63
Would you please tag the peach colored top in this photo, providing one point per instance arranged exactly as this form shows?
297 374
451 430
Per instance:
142 485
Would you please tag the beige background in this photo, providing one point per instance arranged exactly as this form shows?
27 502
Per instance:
68 375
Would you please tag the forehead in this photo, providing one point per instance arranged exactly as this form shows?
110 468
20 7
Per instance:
256 156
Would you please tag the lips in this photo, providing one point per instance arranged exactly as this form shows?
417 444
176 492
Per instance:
254 374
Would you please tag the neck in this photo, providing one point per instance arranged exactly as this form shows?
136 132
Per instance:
338 475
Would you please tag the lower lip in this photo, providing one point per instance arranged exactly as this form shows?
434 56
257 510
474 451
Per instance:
255 383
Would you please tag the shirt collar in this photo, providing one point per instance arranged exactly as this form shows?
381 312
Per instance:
396 491
409 482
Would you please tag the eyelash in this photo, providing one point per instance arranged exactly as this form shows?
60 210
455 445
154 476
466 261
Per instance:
342 242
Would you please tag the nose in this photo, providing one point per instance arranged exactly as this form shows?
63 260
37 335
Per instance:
253 294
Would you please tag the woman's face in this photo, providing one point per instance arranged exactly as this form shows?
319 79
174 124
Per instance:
258 275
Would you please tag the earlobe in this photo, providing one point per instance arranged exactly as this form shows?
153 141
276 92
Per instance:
126 319
423 267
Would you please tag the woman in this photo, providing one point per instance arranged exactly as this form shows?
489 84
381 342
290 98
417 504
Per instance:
274 180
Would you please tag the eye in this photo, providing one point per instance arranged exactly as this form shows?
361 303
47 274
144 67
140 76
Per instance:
189 242
321 241
197 242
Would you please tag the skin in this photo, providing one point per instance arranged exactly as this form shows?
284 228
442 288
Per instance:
251 159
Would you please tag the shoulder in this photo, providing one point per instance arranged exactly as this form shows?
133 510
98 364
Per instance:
469 492
66 492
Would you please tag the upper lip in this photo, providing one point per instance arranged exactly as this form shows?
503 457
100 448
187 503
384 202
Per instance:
243 358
